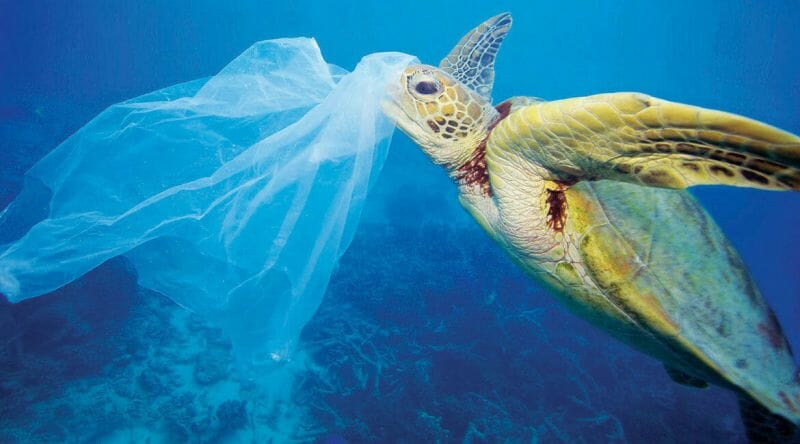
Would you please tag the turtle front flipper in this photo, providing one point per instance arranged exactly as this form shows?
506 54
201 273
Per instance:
471 62
635 138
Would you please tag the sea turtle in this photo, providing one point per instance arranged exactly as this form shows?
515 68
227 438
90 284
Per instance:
586 195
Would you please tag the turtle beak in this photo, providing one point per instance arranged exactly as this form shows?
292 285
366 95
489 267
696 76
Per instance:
392 111
392 106
396 114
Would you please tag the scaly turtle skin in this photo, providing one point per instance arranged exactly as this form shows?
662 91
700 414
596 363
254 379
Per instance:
585 195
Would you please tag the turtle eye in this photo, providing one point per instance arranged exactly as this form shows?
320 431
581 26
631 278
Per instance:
427 87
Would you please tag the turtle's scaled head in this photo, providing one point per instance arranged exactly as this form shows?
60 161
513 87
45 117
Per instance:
444 117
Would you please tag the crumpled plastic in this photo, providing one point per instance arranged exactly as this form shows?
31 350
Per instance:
234 195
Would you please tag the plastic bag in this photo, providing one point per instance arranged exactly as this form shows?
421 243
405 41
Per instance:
233 195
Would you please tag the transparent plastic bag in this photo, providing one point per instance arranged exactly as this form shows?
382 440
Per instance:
233 195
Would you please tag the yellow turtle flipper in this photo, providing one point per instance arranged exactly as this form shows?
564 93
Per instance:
635 138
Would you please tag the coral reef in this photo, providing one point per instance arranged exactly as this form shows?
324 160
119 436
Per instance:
209 369
232 415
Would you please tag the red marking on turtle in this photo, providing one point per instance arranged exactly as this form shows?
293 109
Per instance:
772 334
557 205
504 109
474 172
786 401
556 209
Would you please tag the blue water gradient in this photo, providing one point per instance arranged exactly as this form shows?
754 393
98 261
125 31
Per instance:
427 332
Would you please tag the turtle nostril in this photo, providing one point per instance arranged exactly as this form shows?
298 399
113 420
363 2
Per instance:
426 87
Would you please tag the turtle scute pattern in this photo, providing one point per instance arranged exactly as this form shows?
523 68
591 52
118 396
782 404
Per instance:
452 115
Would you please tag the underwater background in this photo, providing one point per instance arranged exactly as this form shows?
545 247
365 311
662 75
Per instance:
427 333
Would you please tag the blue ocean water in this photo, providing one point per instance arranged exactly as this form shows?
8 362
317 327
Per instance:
427 331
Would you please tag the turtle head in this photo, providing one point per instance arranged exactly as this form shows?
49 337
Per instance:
443 116
448 110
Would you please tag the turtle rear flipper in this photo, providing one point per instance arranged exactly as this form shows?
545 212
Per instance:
684 378
763 426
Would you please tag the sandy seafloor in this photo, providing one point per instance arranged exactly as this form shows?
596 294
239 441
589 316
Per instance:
427 333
